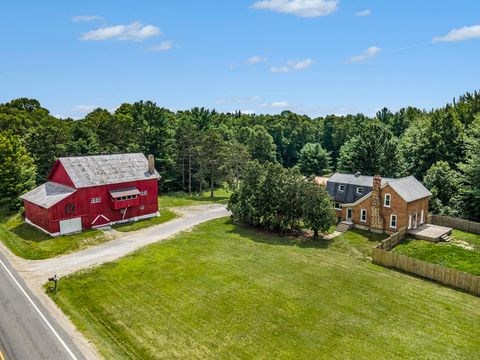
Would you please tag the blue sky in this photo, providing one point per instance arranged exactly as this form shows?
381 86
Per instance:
310 56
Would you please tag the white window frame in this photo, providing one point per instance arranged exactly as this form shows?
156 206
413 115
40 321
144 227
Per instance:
393 216
335 206
95 200
341 188
362 212
143 192
389 200
359 190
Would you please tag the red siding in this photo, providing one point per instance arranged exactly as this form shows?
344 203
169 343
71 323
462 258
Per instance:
59 175
49 219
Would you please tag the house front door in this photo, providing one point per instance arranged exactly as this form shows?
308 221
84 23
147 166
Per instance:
349 214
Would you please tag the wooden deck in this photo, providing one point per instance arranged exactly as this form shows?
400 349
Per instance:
429 232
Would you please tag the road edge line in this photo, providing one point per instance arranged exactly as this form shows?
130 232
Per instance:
72 355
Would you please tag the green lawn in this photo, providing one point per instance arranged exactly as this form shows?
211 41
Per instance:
472 239
223 291
170 200
358 243
30 243
445 254
165 215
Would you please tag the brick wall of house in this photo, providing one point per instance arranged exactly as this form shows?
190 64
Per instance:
398 207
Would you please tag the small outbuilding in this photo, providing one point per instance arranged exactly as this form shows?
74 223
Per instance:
85 192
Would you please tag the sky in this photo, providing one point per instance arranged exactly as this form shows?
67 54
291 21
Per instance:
314 57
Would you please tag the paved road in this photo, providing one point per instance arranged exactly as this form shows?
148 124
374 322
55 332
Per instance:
27 331
38 270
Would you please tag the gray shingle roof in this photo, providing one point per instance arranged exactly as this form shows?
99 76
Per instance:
351 184
48 194
360 180
409 188
85 171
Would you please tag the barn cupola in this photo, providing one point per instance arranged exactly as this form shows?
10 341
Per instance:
151 164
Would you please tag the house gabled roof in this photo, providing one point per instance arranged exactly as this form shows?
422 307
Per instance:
409 188
48 194
87 171
352 179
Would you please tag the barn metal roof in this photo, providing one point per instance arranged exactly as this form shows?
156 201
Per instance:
48 194
86 171
409 188
124 192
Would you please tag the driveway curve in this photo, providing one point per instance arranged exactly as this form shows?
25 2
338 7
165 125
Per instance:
39 270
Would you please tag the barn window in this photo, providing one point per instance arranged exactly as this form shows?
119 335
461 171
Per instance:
95 200
144 192
393 221
363 215
142 207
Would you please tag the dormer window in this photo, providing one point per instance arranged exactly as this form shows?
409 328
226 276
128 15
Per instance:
359 190
341 188
387 200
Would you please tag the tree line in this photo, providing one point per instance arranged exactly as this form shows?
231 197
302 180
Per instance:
197 149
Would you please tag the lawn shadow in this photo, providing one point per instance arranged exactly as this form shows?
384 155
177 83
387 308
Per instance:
271 238
29 233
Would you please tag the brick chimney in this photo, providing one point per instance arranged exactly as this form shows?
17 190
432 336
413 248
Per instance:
376 223
151 164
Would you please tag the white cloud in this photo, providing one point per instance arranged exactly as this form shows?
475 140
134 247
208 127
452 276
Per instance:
163 46
275 104
367 54
293 66
86 18
365 12
302 8
464 33
238 100
135 31
255 59
84 109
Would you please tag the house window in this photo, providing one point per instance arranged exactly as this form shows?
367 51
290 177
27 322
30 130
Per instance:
388 200
341 188
359 190
95 200
393 221
144 192
337 206
363 215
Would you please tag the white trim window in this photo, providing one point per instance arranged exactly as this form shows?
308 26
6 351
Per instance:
95 200
387 201
393 221
359 190
363 215
143 192
341 188
336 206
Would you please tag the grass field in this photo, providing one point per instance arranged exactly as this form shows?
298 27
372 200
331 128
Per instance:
165 215
30 243
170 200
446 254
222 291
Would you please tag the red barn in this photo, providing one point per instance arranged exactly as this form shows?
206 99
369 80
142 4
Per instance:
91 191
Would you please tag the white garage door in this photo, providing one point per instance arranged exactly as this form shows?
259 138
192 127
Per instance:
71 225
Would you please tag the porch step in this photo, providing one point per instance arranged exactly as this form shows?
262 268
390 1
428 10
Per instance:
344 226
446 238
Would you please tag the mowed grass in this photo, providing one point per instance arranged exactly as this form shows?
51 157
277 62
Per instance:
165 215
28 242
224 291
446 254
177 199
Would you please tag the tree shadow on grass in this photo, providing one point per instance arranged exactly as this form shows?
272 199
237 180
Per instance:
271 238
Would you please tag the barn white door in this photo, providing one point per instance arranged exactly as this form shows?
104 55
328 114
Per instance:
70 226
